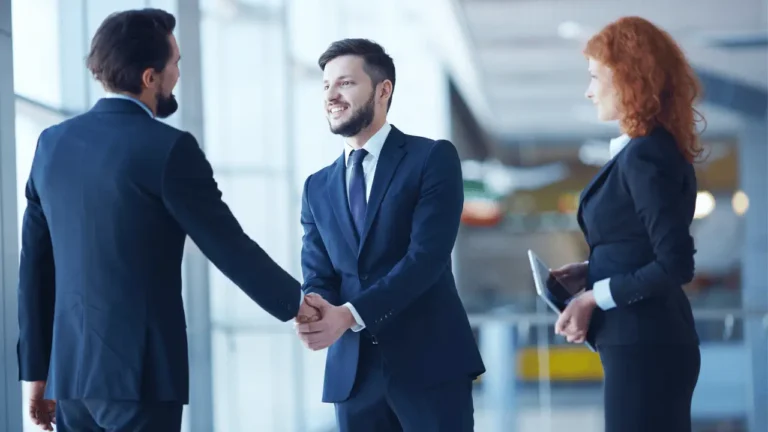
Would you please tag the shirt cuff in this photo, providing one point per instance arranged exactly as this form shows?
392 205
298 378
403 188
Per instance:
360 324
602 293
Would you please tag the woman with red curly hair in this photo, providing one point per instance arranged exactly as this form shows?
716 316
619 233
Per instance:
635 215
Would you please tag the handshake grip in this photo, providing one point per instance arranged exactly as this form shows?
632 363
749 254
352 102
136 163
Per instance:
320 324
310 309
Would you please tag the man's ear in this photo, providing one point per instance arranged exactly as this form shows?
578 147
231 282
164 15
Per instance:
385 90
148 78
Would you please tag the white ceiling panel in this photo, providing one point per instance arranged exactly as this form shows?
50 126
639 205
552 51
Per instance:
530 59
528 53
490 19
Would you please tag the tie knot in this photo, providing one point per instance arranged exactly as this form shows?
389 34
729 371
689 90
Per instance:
357 156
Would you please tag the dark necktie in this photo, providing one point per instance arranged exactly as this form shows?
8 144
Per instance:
357 201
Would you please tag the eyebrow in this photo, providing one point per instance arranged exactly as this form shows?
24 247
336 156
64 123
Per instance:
341 78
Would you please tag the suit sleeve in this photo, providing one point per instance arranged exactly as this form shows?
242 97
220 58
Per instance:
36 291
436 221
655 176
319 275
192 196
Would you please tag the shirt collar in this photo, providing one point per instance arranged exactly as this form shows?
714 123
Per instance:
618 144
373 146
132 99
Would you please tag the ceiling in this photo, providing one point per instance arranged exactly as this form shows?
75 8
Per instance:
533 74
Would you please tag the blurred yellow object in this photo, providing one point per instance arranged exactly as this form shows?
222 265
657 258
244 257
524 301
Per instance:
562 363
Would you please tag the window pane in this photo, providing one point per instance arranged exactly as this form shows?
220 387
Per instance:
256 379
318 415
36 59
243 92
261 205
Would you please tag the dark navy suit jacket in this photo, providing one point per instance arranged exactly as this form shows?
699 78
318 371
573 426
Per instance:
111 197
398 275
636 216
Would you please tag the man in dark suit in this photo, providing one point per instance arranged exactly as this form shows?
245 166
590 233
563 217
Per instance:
111 197
379 228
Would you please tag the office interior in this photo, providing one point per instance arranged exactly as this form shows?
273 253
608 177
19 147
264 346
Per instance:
504 80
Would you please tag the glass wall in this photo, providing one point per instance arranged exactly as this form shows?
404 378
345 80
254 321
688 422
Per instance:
255 361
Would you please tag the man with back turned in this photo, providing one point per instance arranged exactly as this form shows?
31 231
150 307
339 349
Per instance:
111 197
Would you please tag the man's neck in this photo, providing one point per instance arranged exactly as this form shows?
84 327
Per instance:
359 140
148 101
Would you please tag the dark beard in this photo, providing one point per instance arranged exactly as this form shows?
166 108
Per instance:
166 105
361 119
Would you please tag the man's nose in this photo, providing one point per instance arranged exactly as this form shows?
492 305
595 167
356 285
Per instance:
329 99
331 95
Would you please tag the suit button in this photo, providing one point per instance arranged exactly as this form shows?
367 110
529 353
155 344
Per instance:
364 277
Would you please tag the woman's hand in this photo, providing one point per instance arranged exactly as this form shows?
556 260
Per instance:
572 276
573 323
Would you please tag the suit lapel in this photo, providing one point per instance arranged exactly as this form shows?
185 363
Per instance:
391 154
597 180
337 193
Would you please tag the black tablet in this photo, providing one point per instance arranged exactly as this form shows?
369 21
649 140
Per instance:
548 288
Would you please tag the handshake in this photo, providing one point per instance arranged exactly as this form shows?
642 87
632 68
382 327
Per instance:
319 324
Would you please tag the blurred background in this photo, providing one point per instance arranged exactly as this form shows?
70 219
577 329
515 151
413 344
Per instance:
504 80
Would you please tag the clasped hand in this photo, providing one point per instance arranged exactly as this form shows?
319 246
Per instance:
573 322
42 411
319 324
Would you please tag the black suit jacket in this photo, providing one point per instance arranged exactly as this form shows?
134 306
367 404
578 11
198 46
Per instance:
111 197
636 215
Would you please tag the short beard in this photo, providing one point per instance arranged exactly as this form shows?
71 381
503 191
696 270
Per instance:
361 119
166 105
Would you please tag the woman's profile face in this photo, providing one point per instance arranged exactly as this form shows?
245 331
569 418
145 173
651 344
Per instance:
602 92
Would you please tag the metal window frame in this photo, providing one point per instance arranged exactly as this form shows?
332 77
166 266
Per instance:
10 388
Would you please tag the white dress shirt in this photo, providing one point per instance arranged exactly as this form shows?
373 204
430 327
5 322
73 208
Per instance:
618 144
373 146
602 288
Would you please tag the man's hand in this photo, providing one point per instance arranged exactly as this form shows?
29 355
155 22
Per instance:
323 333
42 411
574 321
307 313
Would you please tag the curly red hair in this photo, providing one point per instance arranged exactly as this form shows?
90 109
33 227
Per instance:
656 85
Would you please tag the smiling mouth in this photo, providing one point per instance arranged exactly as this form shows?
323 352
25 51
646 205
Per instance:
337 109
